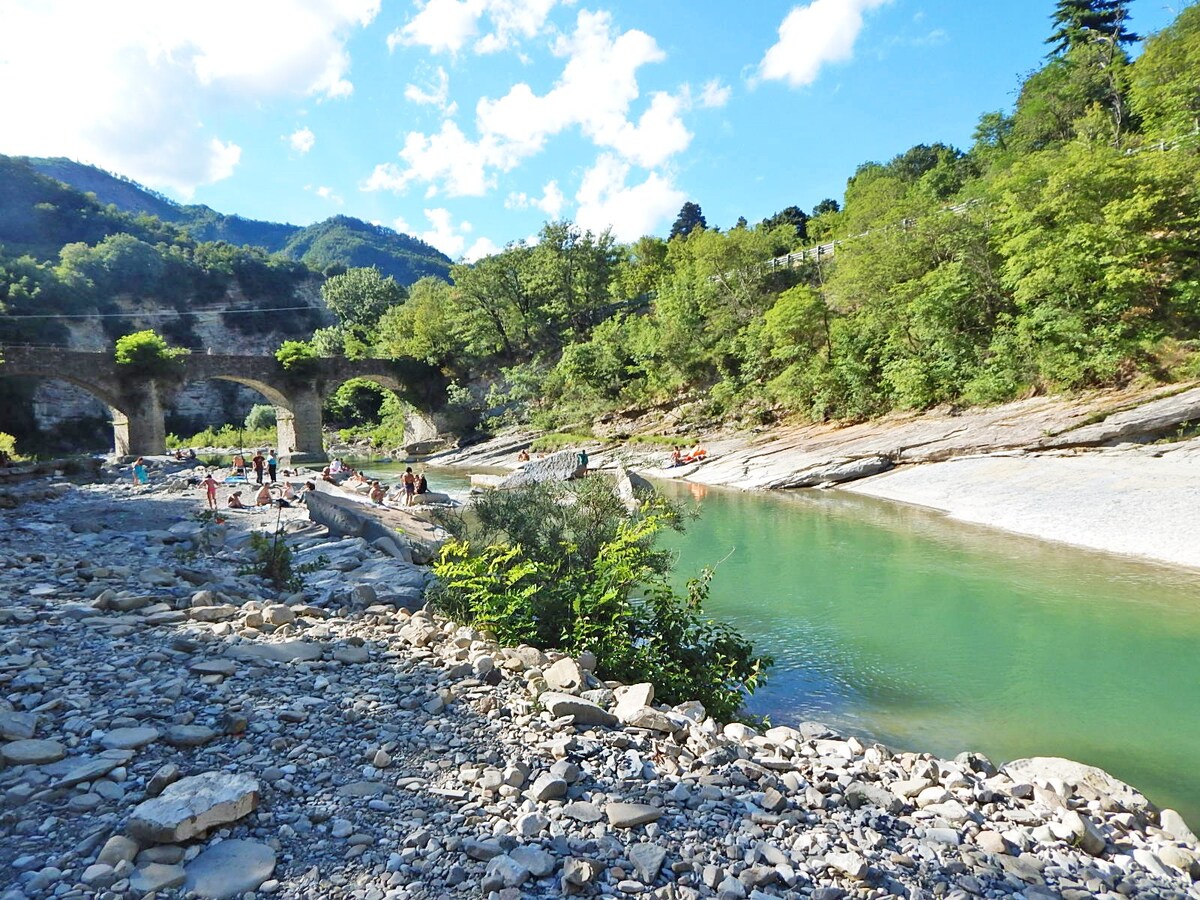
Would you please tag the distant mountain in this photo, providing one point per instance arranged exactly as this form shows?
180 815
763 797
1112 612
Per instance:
39 214
338 242
352 243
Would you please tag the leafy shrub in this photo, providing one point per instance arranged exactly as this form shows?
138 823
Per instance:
566 567
261 417
147 353
8 447
296 357
227 435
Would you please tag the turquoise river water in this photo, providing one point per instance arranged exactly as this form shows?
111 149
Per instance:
895 623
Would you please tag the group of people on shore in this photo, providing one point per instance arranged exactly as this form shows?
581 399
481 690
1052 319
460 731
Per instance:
679 458
267 465
284 495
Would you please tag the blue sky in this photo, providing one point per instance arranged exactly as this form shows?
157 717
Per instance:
471 122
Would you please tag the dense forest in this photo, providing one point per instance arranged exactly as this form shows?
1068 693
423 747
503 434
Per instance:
1056 253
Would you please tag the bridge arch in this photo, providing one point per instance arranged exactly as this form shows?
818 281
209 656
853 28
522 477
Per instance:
135 414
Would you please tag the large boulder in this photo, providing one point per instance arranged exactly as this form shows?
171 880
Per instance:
628 486
1089 782
584 711
559 466
191 806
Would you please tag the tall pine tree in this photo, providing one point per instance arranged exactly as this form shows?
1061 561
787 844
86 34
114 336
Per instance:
1082 21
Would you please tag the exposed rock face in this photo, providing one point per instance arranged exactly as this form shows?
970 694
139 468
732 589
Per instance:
561 466
191 806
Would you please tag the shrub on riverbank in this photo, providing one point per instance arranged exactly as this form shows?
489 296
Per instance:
567 567
227 435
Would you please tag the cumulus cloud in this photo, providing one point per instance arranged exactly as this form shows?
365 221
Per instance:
551 202
302 140
479 249
824 31
157 74
606 200
594 93
447 26
447 158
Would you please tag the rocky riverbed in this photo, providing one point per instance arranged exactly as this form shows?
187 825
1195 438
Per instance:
173 726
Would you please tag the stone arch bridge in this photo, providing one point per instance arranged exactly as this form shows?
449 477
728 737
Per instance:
138 402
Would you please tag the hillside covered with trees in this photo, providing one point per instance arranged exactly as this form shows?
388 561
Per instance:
338 243
1056 253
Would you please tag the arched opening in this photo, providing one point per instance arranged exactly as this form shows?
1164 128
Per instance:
227 411
56 413
375 408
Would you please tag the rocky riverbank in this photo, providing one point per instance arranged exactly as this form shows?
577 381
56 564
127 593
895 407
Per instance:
172 725
1091 471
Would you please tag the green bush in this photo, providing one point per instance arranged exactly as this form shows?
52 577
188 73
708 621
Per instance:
261 417
8 447
226 435
296 357
147 353
566 567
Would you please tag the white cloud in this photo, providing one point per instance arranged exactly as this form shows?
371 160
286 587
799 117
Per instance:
481 248
436 95
594 93
551 202
446 26
401 225
447 157
810 36
607 201
156 76
714 94
302 140
328 193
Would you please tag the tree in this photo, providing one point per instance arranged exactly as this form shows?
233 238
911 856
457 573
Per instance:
423 326
146 353
359 297
1078 22
791 216
828 205
690 218
1165 91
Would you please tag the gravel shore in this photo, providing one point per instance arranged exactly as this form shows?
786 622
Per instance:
173 726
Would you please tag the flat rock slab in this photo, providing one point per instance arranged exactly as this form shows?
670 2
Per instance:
130 738
157 877
17 726
283 652
191 806
189 735
76 770
584 711
32 752
223 667
229 869
630 815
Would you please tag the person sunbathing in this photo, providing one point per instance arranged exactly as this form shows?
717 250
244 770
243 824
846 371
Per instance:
235 501
263 497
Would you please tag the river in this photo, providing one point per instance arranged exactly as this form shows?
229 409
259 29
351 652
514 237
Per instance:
897 623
